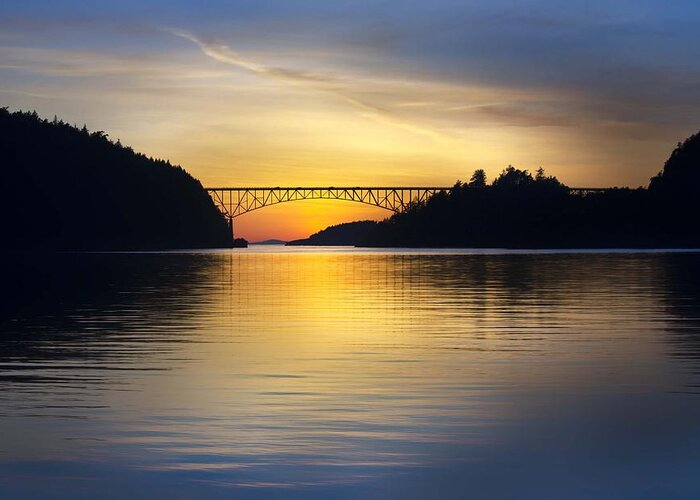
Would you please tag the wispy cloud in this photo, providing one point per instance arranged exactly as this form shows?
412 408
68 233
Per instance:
28 94
314 81
103 65
432 108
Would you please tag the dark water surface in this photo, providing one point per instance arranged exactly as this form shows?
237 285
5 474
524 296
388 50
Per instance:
272 373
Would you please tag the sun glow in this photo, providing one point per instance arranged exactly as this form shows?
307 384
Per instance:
299 219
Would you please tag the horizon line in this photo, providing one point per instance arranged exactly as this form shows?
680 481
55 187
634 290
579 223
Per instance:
441 188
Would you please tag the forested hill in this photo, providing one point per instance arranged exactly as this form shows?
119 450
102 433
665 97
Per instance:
70 189
520 210
346 234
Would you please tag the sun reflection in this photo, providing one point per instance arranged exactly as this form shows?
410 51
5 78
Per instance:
290 369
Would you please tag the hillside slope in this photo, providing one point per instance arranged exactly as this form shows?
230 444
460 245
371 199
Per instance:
518 210
69 189
347 234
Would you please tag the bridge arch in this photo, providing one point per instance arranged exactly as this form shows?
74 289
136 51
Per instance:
234 202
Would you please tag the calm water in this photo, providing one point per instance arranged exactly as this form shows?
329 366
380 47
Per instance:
271 373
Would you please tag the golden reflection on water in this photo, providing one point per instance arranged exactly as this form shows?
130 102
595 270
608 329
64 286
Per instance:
342 372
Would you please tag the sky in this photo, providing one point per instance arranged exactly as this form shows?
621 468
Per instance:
318 92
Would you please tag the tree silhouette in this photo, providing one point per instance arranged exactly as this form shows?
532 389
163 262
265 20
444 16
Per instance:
681 172
478 179
512 177
67 188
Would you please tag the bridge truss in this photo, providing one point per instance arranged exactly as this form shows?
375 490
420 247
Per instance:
234 202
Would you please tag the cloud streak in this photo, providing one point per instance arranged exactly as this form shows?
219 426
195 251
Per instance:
312 81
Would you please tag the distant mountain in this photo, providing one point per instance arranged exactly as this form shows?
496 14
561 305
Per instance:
347 234
67 188
270 242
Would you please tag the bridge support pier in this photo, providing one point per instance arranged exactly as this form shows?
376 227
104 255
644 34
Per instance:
230 225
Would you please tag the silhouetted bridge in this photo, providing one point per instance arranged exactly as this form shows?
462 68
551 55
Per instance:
236 201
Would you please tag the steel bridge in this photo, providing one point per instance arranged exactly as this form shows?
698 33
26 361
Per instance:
233 202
